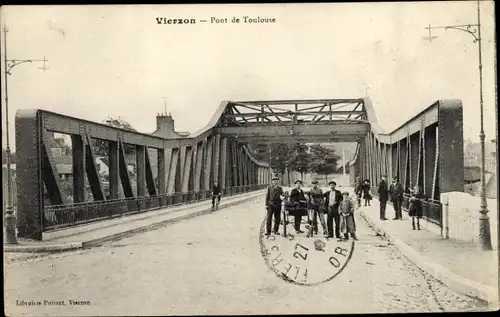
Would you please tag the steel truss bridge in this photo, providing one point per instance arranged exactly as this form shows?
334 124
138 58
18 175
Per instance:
427 150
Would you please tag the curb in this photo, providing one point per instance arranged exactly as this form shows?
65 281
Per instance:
116 236
43 248
457 282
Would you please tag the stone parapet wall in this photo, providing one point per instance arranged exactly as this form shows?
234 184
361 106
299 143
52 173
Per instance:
461 210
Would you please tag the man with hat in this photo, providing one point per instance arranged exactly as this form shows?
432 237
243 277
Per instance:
273 206
298 199
316 196
396 192
333 198
383 196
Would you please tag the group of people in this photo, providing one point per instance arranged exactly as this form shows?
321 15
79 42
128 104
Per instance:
394 193
338 207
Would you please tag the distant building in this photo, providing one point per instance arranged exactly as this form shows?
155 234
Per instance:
165 127
472 155
62 156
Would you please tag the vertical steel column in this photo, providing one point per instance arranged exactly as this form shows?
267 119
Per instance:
451 145
362 169
29 180
234 155
114 179
161 172
424 185
244 166
216 159
372 160
140 158
399 160
435 174
187 169
173 171
198 166
430 157
78 155
223 163
239 154
208 163
168 163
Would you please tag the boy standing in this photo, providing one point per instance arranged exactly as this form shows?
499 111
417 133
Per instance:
347 223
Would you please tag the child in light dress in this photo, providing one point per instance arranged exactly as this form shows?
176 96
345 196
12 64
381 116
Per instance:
347 223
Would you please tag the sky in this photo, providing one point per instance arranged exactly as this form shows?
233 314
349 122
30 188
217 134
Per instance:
116 61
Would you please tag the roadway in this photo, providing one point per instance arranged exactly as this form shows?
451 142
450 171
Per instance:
213 264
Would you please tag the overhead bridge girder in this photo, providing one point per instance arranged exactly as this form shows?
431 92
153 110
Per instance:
323 132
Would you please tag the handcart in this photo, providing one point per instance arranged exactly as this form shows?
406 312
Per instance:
294 209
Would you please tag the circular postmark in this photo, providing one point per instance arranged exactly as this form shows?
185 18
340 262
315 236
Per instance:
303 260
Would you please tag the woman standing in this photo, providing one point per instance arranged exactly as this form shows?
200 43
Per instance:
415 208
366 192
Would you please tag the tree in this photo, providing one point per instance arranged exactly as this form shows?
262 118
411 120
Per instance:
280 156
260 151
323 160
300 158
101 146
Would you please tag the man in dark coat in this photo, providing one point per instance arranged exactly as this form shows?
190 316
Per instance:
358 190
273 206
383 196
333 198
317 203
396 192
216 193
298 199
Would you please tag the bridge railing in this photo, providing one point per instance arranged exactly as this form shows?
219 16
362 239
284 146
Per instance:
68 215
432 210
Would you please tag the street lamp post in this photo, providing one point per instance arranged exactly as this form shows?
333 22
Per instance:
484 220
10 218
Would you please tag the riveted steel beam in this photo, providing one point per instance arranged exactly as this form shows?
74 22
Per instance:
150 181
29 174
239 154
162 175
78 158
298 102
414 143
168 165
208 163
124 173
299 139
140 169
173 175
92 172
216 159
187 169
234 163
301 130
430 158
198 156
113 157
451 147
223 162
50 174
